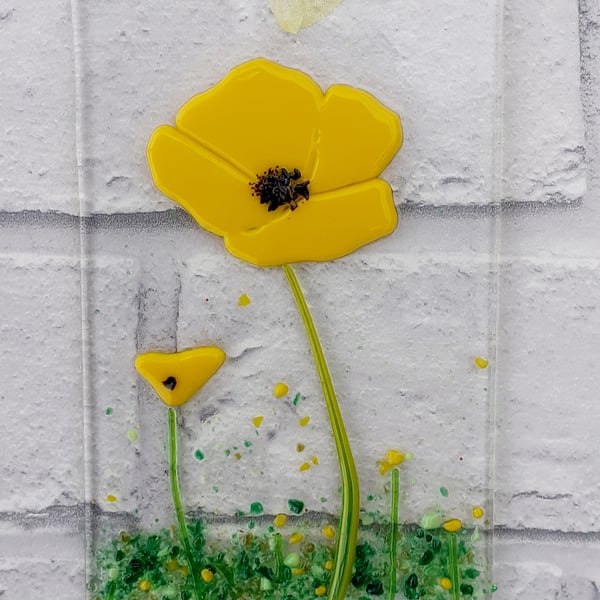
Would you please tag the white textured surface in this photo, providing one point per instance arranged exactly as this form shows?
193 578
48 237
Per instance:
40 330
37 107
547 385
544 145
400 320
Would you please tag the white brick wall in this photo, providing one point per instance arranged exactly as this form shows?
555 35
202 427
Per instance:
37 145
401 321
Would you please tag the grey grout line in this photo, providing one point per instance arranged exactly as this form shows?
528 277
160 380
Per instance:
72 518
177 218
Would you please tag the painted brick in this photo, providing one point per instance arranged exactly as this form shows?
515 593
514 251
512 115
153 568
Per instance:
40 369
403 370
536 569
41 563
542 163
37 145
547 415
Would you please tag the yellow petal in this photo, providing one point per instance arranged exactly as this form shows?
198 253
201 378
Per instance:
323 228
384 466
358 137
259 116
394 457
185 372
217 195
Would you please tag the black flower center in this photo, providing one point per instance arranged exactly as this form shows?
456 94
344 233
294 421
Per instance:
170 383
278 187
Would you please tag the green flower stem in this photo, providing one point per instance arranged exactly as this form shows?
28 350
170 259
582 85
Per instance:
394 533
453 564
176 495
345 550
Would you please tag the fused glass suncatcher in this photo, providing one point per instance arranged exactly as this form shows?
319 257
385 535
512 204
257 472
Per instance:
343 448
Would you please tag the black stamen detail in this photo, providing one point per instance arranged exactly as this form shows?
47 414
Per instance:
277 187
170 383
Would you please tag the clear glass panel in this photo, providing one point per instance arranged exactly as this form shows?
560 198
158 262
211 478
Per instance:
407 324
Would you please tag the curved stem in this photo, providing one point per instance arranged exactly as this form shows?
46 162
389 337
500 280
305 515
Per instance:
394 533
345 549
176 495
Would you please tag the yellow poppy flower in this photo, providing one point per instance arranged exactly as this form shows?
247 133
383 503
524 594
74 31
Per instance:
279 169
177 377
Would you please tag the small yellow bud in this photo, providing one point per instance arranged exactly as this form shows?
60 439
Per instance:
453 525
394 457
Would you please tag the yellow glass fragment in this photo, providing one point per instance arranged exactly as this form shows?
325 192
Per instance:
207 575
320 591
177 377
314 460
481 362
304 466
279 521
244 300
445 583
280 390
111 498
328 531
296 538
477 512
304 421
265 116
453 525
329 565
145 585
257 421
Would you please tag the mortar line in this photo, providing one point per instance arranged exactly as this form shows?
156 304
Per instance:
75 515
178 218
